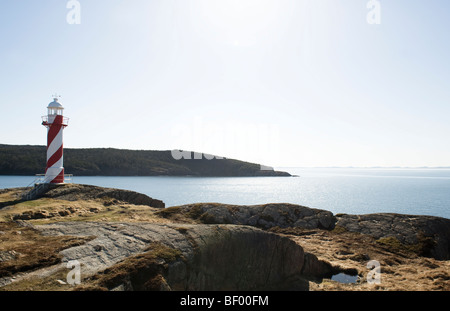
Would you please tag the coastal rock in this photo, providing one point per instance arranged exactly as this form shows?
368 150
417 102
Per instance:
211 246
424 235
263 216
73 192
315 268
427 235
211 257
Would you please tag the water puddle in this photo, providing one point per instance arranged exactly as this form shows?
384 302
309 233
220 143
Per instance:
345 278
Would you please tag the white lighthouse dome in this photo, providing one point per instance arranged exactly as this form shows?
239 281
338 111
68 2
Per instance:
55 104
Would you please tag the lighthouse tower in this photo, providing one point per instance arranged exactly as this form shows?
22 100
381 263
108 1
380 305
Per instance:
55 124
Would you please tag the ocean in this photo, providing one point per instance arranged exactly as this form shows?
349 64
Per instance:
339 190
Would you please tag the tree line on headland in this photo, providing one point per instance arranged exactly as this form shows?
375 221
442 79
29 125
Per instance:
31 160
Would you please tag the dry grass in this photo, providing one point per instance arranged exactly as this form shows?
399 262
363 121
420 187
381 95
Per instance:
27 254
46 282
47 210
31 249
402 268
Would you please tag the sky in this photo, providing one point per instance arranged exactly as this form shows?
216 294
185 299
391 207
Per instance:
283 83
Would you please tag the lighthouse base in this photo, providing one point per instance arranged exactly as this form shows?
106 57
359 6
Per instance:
54 175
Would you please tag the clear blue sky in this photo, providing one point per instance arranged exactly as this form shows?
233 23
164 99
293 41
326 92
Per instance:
278 82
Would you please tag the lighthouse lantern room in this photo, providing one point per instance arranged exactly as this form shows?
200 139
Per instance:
55 123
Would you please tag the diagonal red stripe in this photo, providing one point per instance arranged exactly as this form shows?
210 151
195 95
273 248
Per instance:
58 179
55 157
55 127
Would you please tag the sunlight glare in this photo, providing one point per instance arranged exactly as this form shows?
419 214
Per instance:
241 22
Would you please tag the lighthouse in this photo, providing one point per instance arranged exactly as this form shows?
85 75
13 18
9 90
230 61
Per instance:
55 123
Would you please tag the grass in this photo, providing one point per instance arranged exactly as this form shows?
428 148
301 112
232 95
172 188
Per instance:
207 218
21 207
339 229
36 203
9 195
46 210
421 248
195 212
46 283
169 212
33 250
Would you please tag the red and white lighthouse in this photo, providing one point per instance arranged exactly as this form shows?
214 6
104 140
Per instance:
55 123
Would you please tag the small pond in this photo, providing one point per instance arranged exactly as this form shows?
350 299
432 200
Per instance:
345 278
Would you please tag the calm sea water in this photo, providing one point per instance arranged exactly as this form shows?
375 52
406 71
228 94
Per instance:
352 191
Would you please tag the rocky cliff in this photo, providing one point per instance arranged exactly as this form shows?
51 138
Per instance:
204 257
427 235
125 241
263 216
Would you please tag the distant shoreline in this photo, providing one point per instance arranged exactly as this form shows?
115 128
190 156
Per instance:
368 167
26 160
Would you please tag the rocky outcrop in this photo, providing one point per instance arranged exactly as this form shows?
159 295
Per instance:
74 192
211 246
426 235
263 216
212 257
